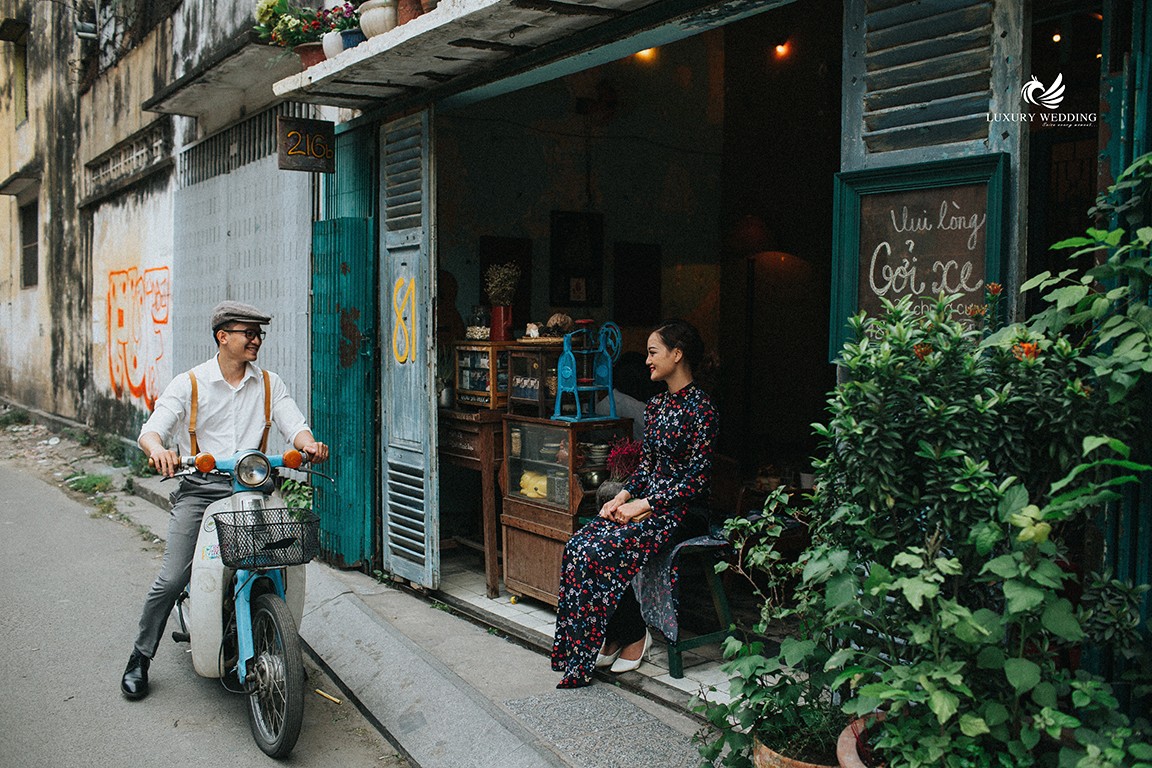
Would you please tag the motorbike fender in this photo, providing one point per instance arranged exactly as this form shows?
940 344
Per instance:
206 595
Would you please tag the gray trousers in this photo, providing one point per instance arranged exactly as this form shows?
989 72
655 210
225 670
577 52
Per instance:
189 501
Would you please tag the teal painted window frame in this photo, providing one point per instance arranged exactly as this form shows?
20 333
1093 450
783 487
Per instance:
852 186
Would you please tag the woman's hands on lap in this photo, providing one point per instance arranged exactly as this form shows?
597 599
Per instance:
623 508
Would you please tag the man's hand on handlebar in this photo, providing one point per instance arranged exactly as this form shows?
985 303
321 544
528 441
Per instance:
165 462
315 452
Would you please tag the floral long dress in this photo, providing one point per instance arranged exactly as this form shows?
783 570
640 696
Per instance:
602 557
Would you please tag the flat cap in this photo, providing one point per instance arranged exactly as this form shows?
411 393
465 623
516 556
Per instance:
237 312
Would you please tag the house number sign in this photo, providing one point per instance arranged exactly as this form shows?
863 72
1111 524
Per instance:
305 145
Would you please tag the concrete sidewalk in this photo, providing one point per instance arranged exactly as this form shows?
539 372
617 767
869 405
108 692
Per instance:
448 691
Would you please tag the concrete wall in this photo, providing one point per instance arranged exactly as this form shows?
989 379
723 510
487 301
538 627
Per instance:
126 163
94 339
245 235
132 353
43 338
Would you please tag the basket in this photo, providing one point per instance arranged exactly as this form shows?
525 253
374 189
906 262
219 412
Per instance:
267 538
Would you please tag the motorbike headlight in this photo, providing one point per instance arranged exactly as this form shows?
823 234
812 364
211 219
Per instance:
253 470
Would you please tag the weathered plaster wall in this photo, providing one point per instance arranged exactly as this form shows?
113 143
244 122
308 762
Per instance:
43 350
110 109
132 243
129 186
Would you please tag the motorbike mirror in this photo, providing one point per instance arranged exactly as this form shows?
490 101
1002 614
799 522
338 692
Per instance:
293 459
205 462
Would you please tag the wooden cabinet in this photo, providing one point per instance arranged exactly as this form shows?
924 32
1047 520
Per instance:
482 374
550 474
532 378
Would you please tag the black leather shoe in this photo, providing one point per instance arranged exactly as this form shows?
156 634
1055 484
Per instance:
134 685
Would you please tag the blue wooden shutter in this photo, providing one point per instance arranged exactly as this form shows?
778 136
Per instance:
410 545
343 383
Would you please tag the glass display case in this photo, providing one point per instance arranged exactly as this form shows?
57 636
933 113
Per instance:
482 374
532 378
550 475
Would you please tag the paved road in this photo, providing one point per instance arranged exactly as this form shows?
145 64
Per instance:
71 585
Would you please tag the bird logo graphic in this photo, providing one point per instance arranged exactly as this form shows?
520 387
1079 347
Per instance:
1034 92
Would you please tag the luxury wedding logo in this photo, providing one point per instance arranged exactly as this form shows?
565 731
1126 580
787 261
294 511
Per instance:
1048 99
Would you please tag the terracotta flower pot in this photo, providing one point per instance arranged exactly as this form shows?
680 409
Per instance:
847 752
406 10
310 53
763 757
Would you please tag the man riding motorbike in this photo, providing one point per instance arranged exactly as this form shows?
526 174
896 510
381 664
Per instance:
223 405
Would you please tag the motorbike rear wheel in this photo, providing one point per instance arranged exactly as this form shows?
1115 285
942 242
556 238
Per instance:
276 672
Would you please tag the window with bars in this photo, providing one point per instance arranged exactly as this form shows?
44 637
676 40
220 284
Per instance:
29 244
236 146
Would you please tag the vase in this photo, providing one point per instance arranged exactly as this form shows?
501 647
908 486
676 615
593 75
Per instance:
352 37
310 54
377 17
763 757
406 10
501 323
847 746
332 43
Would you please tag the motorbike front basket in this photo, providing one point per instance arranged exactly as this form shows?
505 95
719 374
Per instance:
267 538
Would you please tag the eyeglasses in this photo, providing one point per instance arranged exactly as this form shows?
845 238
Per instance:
249 334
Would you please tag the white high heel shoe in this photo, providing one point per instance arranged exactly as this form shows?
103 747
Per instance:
627 665
606 659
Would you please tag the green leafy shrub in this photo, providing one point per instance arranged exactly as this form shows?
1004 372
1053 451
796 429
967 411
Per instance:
962 471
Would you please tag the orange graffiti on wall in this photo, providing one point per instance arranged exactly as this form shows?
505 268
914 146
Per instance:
137 312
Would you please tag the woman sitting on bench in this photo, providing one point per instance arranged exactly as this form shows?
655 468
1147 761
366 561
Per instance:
596 624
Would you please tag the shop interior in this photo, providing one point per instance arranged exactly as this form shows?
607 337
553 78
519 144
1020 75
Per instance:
689 180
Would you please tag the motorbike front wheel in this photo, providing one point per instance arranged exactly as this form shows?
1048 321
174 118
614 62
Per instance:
276 692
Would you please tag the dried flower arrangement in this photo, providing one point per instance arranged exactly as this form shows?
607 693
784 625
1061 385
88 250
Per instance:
500 283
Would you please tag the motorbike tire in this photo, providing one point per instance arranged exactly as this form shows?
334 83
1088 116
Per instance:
276 692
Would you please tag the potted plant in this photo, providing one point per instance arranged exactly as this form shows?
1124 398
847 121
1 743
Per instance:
962 467
291 26
500 286
957 474
343 24
780 708
622 460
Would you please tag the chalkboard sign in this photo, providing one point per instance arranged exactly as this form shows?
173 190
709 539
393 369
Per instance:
305 145
920 231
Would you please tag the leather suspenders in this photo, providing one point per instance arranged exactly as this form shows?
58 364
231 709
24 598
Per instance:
267 413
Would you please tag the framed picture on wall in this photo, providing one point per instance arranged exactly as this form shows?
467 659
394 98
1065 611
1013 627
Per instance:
576 263
636 282
917 230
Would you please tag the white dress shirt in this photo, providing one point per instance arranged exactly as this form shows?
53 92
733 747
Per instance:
228 418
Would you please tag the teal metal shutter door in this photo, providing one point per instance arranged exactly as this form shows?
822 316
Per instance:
410 544
343 384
